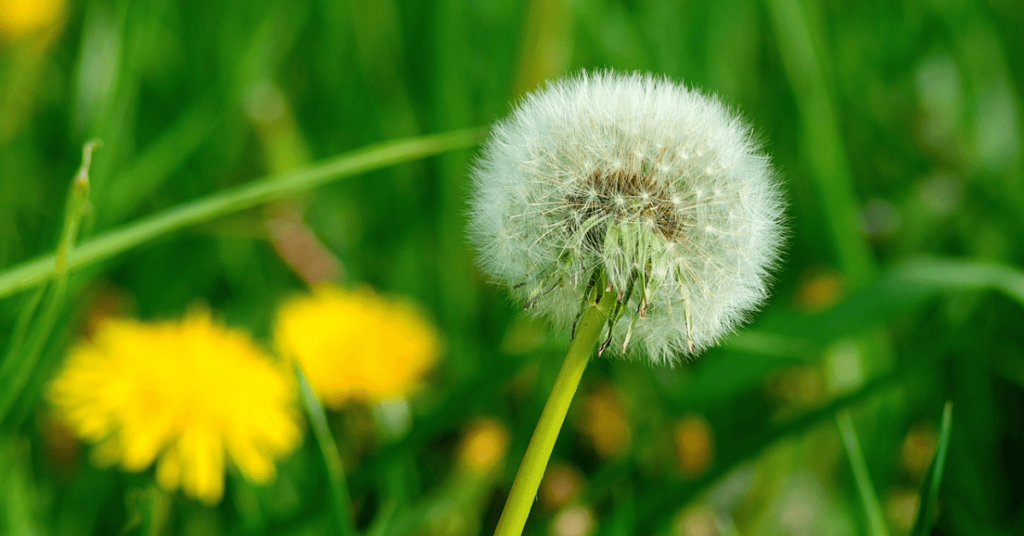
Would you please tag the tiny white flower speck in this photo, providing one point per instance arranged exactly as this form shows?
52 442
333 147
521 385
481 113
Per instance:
593 174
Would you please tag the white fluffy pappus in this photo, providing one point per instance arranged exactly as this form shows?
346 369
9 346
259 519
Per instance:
657 187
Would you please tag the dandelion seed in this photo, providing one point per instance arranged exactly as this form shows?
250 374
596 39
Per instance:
356 345
698 239
188 394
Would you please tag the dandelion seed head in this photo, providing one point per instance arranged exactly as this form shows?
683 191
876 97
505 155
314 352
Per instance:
658 186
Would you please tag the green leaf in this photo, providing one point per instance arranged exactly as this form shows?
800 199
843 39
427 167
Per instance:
933 478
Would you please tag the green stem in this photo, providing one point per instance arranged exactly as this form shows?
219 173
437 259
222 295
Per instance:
21 361
340 501
254 193
868 497
531 471
18 368
157 513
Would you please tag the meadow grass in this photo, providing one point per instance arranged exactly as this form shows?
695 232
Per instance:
896 129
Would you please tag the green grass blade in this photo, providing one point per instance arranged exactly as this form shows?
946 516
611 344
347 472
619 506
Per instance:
16 376
341 504
866 490
933 478
22 357
824 151
958 274
219 204
20 331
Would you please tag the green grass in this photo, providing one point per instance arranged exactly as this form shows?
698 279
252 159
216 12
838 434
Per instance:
897 129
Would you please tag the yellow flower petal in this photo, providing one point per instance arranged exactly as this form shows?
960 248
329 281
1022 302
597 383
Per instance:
168 469
202 457
143 442
255 465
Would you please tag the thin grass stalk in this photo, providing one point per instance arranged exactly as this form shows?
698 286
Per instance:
111 243
341 502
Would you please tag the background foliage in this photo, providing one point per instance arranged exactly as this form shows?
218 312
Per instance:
895 125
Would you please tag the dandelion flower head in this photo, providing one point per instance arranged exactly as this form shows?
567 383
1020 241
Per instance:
356 344
658 188
189 393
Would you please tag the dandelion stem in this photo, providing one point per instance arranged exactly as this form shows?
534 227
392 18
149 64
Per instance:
531 471
340 501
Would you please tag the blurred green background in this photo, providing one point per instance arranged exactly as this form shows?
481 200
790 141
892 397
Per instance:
896 127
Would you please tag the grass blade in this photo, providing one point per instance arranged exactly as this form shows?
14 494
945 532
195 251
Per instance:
866 490
960 275
933 478
219 204
22 357
341 504
824 151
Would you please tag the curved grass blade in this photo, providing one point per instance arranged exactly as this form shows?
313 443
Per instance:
35 272
933 478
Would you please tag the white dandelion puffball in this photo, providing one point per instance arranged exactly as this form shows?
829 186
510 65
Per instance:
657 187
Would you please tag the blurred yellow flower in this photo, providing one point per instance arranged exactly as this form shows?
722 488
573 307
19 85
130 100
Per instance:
356 345
562 484
605 422
19 18
695 444
483 446
820 289
188 392
918 450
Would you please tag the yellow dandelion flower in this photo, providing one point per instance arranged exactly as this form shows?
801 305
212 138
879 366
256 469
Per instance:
356 345
191 393
19 18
